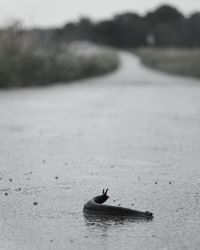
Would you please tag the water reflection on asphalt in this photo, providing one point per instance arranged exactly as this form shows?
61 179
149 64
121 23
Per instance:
104 223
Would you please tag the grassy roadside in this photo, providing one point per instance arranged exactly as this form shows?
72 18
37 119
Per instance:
180 61
25 61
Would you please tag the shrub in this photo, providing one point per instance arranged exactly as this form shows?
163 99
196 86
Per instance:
25 61
182 61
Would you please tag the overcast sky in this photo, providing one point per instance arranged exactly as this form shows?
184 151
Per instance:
57 12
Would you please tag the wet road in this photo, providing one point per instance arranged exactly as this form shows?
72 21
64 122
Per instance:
135 131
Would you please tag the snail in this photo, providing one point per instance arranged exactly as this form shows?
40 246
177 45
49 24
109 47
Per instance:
95 207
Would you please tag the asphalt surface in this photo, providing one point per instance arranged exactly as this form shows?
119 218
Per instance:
135 131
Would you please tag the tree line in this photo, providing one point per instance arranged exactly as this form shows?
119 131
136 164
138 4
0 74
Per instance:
165 26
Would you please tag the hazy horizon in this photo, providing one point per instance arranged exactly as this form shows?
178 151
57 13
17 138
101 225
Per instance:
45 13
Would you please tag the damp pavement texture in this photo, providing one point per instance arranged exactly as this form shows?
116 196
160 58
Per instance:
135 131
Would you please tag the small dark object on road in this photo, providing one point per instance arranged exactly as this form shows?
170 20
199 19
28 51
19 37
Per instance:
170 182
6 194
95 207
35 203
56 177
10 180
156 182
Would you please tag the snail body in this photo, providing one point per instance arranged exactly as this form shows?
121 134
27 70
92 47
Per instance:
95 207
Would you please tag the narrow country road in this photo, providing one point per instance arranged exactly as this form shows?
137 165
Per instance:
135 131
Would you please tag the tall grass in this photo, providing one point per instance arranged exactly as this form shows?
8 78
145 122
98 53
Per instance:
181 61
25 61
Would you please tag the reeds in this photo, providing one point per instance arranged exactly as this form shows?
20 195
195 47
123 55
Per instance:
26 61
181 61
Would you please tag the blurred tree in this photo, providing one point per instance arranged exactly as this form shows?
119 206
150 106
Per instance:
104 32
193 30
163 14
84 29
131 30
167 25
67 32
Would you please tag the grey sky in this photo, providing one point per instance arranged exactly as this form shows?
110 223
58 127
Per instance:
56 12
